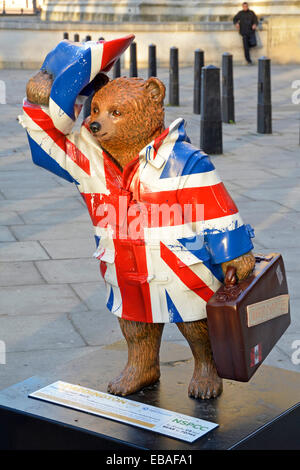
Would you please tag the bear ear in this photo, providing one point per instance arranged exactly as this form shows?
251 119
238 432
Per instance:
100 81
156 89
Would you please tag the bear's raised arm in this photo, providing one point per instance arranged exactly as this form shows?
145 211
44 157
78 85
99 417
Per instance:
55 96
38 88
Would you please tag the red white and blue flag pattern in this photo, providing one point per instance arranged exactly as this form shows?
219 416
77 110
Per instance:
74 67
171 269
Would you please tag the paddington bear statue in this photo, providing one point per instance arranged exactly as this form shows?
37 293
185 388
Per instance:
166 228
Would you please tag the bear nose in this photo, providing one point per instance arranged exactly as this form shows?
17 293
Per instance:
95 127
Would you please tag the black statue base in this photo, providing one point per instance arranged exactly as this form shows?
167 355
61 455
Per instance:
267 403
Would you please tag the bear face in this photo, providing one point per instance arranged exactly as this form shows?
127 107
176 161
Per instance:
127 114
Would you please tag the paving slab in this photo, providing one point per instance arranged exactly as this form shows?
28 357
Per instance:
10 178
48 216
39 299
21 365
10 218
288 197
36 332
264 207
69 271
280 358
68 249
290 257
53 190
55 231
22 206
293 283
6 235
93 294
269 182
98 327
19 273
22 251
20 162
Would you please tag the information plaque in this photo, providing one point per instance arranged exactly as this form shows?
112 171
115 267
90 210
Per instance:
131 412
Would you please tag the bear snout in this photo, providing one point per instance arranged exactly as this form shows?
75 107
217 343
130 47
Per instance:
95 127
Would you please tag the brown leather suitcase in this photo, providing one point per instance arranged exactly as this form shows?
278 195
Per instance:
247 319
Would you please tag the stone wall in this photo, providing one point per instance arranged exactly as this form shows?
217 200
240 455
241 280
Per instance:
160 10
25 44
284 39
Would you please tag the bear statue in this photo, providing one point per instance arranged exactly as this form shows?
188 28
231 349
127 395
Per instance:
128 165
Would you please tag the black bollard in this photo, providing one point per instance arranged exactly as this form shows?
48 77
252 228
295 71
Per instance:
152 71
173 78
88 37
227 89
76 37
87 106
66 35
117 69
133 72
264 104
211 140
198 64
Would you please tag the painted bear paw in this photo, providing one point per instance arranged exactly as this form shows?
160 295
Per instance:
205 387
132 379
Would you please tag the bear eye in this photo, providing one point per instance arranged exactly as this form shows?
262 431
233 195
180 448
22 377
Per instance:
95 110
116 113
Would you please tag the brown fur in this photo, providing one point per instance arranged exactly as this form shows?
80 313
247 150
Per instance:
39 87
205 382
244 265
142 369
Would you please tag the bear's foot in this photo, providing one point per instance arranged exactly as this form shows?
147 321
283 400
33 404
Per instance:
205 386
132 379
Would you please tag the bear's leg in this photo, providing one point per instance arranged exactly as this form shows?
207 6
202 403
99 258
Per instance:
142 368
205 382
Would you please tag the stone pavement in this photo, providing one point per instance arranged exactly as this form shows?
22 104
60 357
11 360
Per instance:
52 297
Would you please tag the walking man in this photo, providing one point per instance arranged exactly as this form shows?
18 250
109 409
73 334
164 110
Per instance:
246 22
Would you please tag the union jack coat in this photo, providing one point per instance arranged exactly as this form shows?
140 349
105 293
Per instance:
156 269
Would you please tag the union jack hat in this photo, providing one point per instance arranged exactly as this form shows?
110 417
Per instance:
74 66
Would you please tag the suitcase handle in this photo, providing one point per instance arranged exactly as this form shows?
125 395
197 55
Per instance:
231 287
259 258
230 276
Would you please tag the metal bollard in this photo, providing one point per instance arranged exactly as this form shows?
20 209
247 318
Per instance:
117 69
211 140
76 37
88 38
198 64
87 106
133 64
152 70
174 78
227 89
66 35
264 104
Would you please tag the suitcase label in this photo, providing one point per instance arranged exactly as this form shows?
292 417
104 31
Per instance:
266 310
